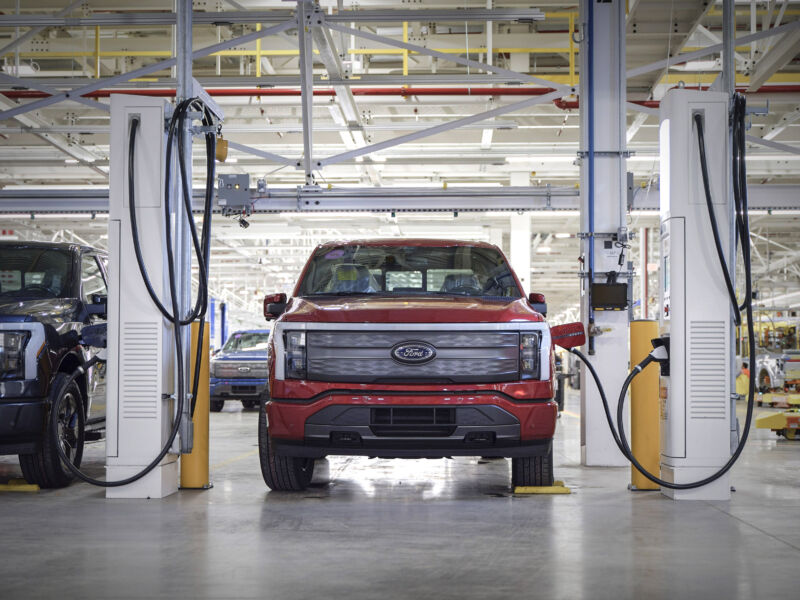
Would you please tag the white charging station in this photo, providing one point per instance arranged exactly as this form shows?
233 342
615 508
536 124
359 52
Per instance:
140 340
694 301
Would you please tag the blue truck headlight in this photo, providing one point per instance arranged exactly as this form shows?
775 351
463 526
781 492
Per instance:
12 354
529 361
295 354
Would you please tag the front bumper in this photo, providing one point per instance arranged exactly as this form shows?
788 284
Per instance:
398 425
21 425
237 388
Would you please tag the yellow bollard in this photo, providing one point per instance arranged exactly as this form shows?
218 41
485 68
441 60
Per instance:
645 420
194 466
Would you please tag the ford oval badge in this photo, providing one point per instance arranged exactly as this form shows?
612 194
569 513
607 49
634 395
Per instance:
413 353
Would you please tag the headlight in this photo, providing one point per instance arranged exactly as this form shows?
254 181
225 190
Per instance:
213 370
12 354
529 355
295 354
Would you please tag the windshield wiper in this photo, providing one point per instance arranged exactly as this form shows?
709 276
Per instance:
440 293
342 294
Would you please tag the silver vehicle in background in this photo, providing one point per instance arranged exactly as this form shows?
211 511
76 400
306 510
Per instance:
777 370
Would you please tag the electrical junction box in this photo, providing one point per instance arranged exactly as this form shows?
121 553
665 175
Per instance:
140 342
695 397
233 194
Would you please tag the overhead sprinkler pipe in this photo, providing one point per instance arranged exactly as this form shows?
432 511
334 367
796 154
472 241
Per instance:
403 92
357 91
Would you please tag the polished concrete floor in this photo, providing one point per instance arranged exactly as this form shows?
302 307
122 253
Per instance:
407 529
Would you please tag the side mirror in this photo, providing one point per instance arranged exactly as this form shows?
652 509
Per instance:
274 306
569 335
538 303
99 305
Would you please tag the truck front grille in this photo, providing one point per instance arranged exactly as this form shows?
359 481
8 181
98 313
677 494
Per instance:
241 370
366 357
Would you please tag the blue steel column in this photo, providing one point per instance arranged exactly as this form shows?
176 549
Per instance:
212 309
603 207
223 328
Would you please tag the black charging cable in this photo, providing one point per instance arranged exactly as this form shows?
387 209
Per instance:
660 354
202 250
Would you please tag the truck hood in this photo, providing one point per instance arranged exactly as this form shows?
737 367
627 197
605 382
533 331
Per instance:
51 310
409 309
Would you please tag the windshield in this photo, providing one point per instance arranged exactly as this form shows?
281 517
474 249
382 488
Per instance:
243 342
408 270
34 273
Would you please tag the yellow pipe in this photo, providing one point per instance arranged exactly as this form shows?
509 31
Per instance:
405 51
645 405
97 52
693 48
194 466
716 12
476 50
258 52
571 50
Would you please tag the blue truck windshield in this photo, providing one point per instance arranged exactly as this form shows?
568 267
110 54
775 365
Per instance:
34 273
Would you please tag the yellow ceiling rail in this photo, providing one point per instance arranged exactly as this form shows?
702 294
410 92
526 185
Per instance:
258 52
745 12
97 52
693 48
405 50
571 50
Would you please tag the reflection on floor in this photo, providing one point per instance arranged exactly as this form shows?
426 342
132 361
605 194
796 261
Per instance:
407 529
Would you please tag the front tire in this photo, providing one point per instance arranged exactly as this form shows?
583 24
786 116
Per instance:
536 471
65 425
216 405
281 473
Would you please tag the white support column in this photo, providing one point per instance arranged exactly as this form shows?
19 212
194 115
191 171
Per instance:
520 248
603 202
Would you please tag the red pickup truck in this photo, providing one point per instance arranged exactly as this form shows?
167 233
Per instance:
408 349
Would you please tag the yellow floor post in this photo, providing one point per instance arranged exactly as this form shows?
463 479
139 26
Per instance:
645 420
194 466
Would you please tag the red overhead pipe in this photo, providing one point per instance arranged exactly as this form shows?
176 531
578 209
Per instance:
378 91
357 91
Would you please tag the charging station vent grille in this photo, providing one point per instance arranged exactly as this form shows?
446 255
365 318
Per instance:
707 370
139 363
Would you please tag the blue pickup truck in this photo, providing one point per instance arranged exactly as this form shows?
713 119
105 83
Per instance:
239 370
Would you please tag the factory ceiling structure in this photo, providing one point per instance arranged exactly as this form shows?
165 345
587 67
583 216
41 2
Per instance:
403 103
447 298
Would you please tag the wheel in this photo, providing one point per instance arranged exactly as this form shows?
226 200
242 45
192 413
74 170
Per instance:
249 404
764 382
281 473
532 470
791 434
65 426
216 405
